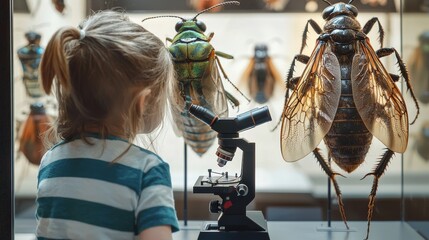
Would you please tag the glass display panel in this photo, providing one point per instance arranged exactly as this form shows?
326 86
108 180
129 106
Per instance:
285 191
416 164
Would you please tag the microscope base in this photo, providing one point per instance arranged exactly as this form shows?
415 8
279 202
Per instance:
210 230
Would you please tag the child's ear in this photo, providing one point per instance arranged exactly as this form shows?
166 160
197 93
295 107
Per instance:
142 100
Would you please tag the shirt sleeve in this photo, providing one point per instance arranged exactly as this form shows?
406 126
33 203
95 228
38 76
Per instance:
156 202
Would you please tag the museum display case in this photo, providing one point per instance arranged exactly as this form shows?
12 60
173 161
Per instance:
295 192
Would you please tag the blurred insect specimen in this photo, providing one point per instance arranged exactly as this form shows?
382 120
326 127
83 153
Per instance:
425 6
110 3
419 68
276 5
200 5
311 6
59 5
374 3
30 56
261 75
198 70
421 144
30 143
345 96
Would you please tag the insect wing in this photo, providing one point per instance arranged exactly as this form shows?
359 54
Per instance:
213 90
274 72
378 100
177 106
276 77
212 97
310 110
247 75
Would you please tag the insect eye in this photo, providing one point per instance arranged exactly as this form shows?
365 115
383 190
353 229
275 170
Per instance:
201 25
327 12
178 25
352 9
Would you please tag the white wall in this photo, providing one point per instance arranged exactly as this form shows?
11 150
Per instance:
236 34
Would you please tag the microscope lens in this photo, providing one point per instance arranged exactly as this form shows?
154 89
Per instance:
224 155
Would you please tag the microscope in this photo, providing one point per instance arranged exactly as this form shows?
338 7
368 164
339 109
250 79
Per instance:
236 192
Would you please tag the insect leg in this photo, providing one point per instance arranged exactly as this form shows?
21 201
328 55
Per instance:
301 58
378 171
368 26
226 77
332 175
232 99
198 89
168 40
386 52
224 55
292 81
290 85
316 28
395 77
184 87
210 36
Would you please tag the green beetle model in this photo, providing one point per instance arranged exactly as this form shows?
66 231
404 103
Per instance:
199 81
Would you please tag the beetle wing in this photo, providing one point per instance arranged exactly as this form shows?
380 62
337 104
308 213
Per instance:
378 99
275 78
248 73
177 106
207 92
310 110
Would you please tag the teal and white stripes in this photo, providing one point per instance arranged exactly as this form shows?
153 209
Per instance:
83 195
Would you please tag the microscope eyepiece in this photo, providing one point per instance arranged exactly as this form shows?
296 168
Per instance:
203 114
240 123
228 127
253 118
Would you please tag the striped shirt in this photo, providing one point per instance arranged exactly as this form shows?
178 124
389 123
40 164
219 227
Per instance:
83 195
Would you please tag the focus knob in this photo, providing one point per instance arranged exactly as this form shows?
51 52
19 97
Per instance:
214 206
242 190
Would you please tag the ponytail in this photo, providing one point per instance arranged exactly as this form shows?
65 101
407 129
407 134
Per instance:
54 65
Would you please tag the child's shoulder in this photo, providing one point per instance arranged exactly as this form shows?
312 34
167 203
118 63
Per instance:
146 154
131 154
110 149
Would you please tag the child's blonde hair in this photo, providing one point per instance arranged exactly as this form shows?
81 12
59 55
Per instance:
101 68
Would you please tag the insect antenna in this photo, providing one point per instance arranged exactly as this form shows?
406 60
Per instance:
215 6
350 1
326 1
167 16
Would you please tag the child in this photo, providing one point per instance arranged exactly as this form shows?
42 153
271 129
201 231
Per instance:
111 78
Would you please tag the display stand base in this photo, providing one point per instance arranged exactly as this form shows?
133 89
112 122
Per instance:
210 231
324 228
